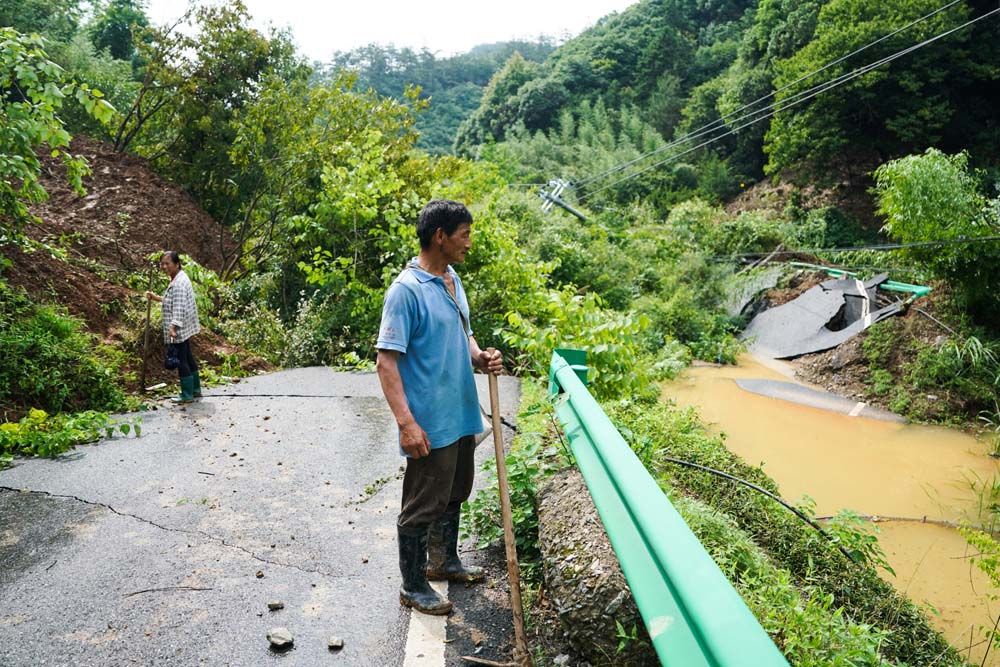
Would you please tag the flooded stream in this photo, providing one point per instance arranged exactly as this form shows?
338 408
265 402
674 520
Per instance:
888 470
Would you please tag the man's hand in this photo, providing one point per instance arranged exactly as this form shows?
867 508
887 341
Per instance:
490 360
173 331
414 440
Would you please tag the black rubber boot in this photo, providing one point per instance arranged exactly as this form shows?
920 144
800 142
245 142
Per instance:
415 592
442 553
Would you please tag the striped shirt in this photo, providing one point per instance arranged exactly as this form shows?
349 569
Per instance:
180 310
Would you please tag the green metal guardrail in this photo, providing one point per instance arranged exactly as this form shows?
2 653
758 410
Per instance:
693 614
916 291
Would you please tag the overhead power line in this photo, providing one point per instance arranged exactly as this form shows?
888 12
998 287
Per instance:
875 247
721 121
795 100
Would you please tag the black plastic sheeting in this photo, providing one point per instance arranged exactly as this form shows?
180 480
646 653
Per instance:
820 319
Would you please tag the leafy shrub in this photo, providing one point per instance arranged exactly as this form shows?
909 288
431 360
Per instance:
802 620
330 325
41 434
610 339
50 361
957 380
934 198
533 457
753 231
813 564
839 229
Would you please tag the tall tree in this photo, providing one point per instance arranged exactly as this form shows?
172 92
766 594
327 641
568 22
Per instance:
115 25
32 91
54 19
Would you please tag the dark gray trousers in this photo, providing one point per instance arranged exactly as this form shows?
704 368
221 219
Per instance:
436 484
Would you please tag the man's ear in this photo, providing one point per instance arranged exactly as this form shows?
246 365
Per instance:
439 236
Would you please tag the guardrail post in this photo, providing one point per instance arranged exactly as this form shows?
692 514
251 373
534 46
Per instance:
577 360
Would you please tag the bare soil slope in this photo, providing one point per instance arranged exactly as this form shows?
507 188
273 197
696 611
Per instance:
128 213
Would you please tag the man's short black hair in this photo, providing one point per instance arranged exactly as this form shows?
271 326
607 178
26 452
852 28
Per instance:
175 257
442 214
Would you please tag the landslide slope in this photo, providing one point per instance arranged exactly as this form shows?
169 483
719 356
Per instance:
101 241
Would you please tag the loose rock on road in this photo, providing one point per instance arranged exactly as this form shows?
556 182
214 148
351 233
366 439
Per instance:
166 550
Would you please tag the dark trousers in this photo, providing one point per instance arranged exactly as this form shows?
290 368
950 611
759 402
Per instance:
188 364
436 484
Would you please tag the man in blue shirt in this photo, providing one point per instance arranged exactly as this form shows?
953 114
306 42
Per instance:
426 355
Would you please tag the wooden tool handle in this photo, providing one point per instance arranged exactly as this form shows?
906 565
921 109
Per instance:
521 655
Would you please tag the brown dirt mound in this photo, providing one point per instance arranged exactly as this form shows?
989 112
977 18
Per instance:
847 188
128 213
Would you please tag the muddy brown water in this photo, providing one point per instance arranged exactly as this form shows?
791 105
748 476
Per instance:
876 468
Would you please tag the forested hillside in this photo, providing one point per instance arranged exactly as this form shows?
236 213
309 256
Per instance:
306 182
682 67
452 87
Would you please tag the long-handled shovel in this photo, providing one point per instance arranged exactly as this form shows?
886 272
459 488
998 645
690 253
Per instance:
521 656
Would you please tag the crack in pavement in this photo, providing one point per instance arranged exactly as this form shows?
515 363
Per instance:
218 540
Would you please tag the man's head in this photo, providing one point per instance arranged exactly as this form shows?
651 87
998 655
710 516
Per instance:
170 262
445 226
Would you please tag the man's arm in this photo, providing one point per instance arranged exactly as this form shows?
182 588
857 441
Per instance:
412 438
488 361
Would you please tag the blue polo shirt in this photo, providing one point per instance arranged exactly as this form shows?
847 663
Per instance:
431 331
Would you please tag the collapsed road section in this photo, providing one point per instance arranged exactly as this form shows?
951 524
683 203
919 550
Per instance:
827 314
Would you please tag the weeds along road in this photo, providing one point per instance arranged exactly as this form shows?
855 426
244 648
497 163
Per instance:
165 550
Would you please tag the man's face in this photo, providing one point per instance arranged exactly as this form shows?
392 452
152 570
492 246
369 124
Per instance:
167 266
456 245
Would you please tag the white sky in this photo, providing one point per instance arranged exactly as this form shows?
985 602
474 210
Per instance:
446 27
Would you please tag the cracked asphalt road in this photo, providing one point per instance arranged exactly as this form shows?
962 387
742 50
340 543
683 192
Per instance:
146 551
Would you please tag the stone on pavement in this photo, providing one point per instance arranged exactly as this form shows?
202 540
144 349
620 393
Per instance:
280 637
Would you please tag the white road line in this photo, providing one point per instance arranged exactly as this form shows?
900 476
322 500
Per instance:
425 638
865 303
856 410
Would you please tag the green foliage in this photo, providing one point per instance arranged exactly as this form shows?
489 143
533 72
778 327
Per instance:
303 157
584 140
860 538
892 110
652 51
813 567
803 620
32 91
41 434
115 25
533 457
954 381
49 361
932 198
453 86
610 340
100 71
987 560
53 19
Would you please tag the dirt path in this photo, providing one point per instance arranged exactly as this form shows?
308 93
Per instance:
150 551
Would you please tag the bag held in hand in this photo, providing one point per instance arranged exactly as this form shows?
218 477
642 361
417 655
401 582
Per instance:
173 360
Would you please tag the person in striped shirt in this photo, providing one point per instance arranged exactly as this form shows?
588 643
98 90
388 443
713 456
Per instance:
180 323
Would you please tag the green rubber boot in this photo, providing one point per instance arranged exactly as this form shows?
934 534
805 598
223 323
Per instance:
187 390
197 385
